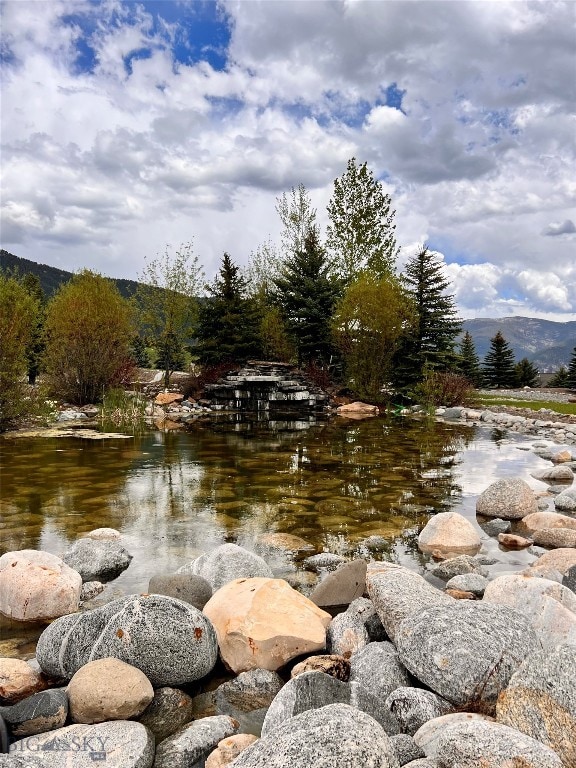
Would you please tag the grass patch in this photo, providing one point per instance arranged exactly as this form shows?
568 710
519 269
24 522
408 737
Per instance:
567 409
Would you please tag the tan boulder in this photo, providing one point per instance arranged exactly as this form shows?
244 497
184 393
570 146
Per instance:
357 409
167 398
37 586
263 623
561 456
549 606
284 541
449 532
556 560
555 537
229 749
18 680
108 689
537 521
103 534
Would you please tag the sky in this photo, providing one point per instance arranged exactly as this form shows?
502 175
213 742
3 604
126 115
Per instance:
132 127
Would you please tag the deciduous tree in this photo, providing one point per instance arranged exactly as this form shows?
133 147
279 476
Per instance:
360 233
89 328
18 319
498 368
369 323
298 219
168 300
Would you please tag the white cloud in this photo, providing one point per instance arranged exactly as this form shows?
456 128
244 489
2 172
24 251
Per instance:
103 166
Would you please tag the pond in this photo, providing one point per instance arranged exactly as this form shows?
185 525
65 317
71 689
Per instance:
175 494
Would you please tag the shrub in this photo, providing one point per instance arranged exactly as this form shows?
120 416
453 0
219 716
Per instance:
449 389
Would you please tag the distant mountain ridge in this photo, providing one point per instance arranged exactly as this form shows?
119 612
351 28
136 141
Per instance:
546 343
51 278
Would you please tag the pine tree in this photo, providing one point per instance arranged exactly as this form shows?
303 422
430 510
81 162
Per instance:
306 297
498 368
571 378
229 321
560 378
35 349
360 234
469 363
527 374
431 343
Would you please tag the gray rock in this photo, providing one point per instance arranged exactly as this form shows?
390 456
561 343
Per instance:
247 697
365 610
342 586
169 640
315 738
397 593
456 566
406 748
569 578
226 563
90 590
118 744
313 690
466 652
20 761
168 711
324 561
189 587
190 746
423 762
495 527
490 745
413 707
510 498
44 711
97 559
469 582
346 634
378 668
452 413
540 700
555 475
375 543
566 501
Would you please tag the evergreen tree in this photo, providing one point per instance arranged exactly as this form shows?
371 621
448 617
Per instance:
498 368
35 349
360 234
469 362
306 297
560 378
229 321
431 343
139 352
571 378
527 374
170 353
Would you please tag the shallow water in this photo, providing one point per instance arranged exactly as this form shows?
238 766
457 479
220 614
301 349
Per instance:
175 494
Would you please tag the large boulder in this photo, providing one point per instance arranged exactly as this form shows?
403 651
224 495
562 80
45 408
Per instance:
540 700
426 737
556 560
555 537
37 586
189 587
43 711
378 669
118 744
108 689
170 641
490 745
566 501
313 690
510 498
342 586
465 651
227 563
555 475
397 593
540 520
346 634
97 559
450 534
168 711
247 697
264 623
191 744
334 736
548 606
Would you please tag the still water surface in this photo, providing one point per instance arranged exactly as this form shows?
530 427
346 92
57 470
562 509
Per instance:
175 494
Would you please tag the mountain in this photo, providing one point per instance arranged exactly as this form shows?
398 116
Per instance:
52 278
545 343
